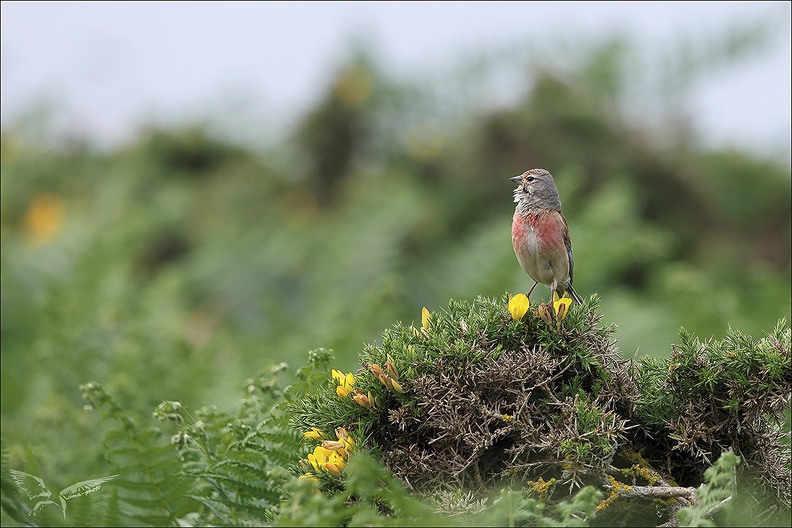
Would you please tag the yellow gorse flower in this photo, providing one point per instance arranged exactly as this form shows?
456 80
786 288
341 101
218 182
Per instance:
561 306
345 382
518 306
314 434
323 459
331 456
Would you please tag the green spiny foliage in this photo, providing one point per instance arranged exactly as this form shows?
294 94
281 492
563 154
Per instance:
371 496
720 395
523 508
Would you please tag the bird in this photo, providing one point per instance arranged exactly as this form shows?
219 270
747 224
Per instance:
540 235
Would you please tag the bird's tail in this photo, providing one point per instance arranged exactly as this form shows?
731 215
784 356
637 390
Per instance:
574 294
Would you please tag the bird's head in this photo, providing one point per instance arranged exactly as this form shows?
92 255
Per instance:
536 189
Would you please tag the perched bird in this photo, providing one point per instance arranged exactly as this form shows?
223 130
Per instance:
540 235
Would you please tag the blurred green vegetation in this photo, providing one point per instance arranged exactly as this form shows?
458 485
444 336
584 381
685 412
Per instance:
173 267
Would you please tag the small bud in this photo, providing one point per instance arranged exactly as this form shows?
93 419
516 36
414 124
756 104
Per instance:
361 399
377 370
332 445
341 433
395 385
425 325
544 314
390 366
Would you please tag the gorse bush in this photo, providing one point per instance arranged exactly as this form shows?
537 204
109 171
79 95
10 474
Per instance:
474 382
489 394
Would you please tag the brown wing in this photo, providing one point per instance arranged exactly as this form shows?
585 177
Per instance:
568 244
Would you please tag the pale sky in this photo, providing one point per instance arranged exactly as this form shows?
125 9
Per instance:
107 67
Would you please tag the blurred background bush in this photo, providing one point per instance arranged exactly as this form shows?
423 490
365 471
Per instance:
176 264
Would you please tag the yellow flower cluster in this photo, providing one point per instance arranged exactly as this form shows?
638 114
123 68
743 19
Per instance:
519 304
346 383
345 386
331 456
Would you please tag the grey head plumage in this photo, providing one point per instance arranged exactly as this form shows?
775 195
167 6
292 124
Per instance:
536 189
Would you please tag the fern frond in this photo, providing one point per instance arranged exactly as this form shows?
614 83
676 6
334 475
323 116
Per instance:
112 511
151 487
10 491
239 460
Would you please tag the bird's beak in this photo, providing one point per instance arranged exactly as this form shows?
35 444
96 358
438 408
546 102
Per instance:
516 179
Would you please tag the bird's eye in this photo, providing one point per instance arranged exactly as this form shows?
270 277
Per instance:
530 178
